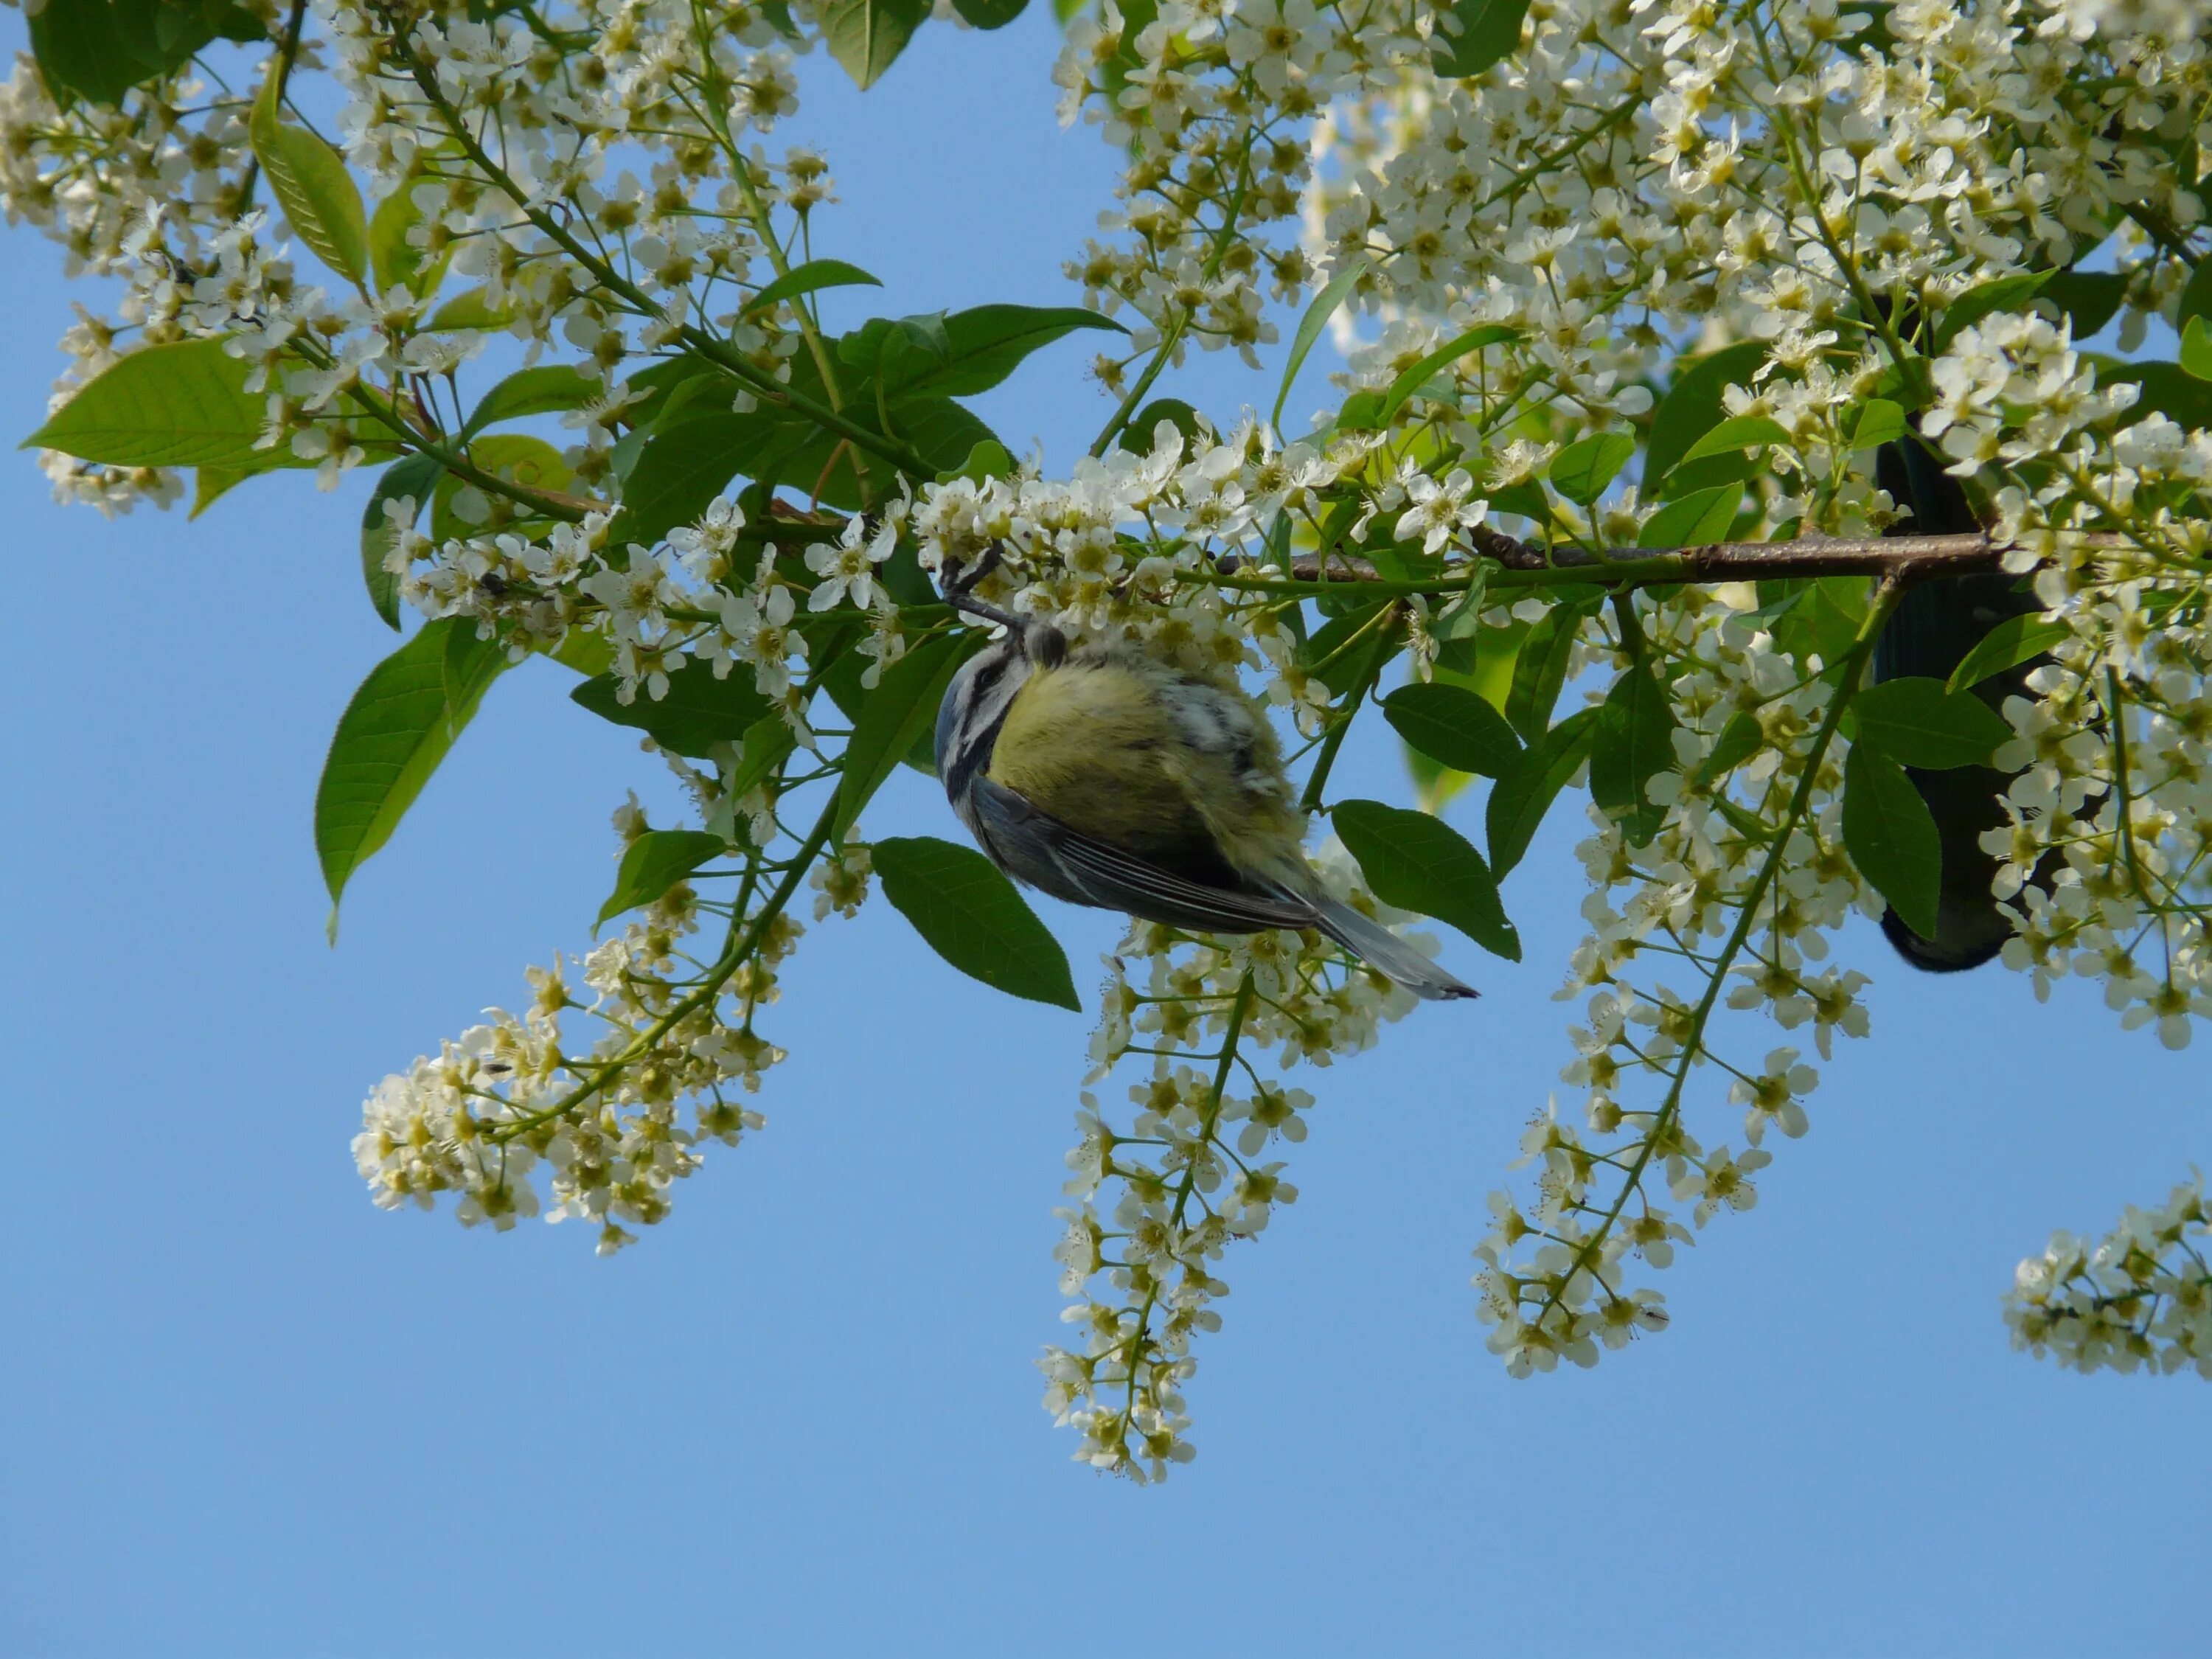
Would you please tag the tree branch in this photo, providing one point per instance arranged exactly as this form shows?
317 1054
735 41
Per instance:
1908 557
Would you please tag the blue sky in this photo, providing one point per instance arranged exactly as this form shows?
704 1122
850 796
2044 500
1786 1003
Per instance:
241 1411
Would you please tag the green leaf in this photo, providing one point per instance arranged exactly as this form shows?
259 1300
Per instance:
2090 298
989 14
987 460
1410 380
1519 799
395 261
1701 516
1453 726
902 707
471 308
538 390
415 477
1879 422
311 185
1740 432
1310 327
809 278
1916 722
691 453
583 652
1740 739
1360 412
2196 349
976 350
1582 470
767 741
866 36
1541 670
1820 618
1632 743
1892 837
971 916
1489 32
2005 294
98 50
1694 405
1419 863
1137 435
2195 295
1458 630
698 711
514 456
2010 643
183 404
391 739
655 862
2164 388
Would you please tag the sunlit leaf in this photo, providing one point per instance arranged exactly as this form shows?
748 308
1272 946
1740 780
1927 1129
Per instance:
312 186
1879 422
1581 470
399 726
1317 317
2196 349
1702 516
1740 432
181 404
866 36
529 462
1694 406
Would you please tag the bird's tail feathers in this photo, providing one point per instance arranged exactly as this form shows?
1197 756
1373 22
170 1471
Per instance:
1384 951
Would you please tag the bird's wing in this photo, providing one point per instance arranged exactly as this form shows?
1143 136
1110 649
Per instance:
1065 862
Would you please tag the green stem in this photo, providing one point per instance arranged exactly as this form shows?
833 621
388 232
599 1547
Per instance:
1181 321
1239 1005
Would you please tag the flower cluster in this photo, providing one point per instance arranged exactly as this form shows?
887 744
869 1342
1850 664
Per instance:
2141 1297
1160 1201
1739 886
608 1128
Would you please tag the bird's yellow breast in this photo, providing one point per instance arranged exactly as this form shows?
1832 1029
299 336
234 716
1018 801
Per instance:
1104 745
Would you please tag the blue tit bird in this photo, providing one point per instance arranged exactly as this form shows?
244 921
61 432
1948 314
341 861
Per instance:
1108 777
